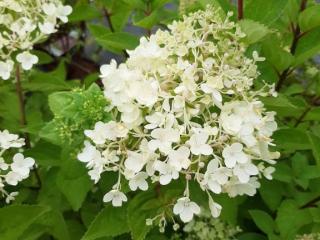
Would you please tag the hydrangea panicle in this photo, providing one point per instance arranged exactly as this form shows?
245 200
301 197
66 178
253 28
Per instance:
186 109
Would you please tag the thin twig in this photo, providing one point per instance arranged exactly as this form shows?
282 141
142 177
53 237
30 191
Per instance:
240 9
296 36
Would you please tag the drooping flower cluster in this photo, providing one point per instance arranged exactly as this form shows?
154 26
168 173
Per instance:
19 168
23 23
184 107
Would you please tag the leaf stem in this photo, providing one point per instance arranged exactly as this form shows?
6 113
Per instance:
240 9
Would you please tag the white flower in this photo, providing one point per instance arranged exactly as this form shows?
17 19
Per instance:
163 139
198 144
12 178
155 120
215 208
233 154
89 154
268 171
27 60
179 158
116 197
47 27
139 181
167 172
11 196
95 173
235 188
244 171
135 161
8 140
22 165
186 209
145 92
62 12
103 131
6 69
216 176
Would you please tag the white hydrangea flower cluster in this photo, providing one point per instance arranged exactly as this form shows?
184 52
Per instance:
186 107
18 169
23 23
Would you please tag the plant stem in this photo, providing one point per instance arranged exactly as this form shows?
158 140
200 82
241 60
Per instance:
240 9
23 118
19 91
296 36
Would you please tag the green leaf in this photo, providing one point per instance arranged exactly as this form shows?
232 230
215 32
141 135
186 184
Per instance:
315 146
142 206
15 219
84 12
254 31
110 222
266 12
118 41
44 58
263 221
292 139
290 219
309 18
73 181
51 222
251 236
278 57
271 193
308 46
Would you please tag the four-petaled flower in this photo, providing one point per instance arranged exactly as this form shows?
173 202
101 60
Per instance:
186 209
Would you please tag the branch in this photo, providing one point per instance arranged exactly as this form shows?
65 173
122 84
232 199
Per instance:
240 9
296 36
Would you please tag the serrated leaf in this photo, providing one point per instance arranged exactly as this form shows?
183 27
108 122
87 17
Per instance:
110 222
254 31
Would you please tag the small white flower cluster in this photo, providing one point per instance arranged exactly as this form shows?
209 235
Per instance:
185 107
23 23
18 169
